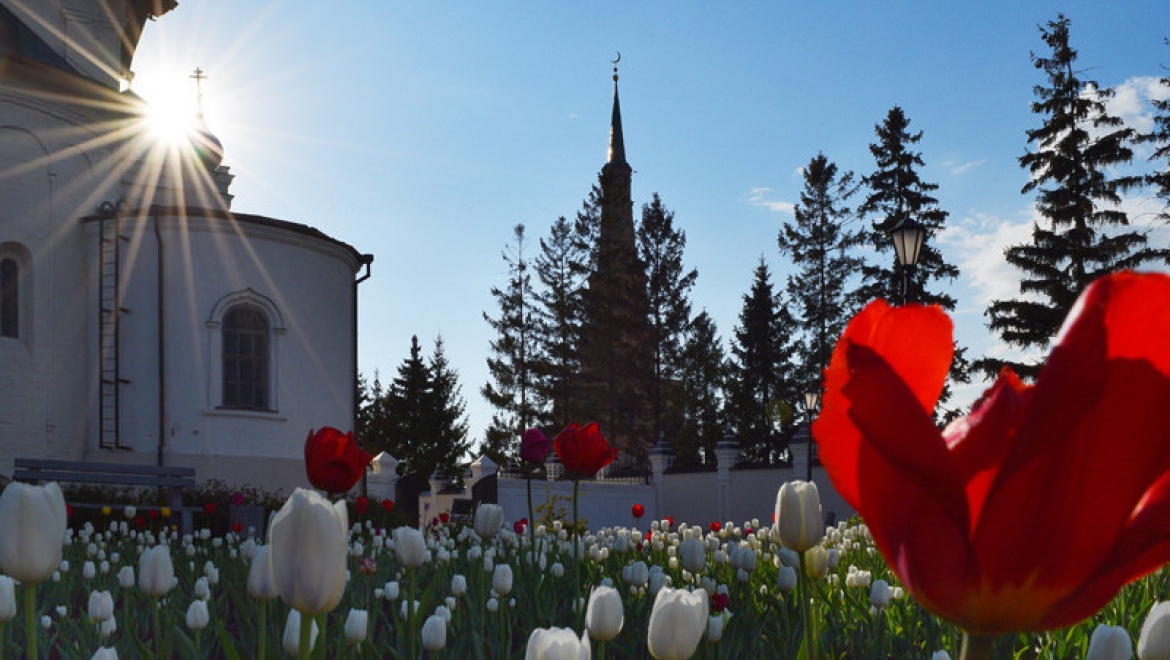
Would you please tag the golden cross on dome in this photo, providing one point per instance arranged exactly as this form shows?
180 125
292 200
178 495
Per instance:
199 77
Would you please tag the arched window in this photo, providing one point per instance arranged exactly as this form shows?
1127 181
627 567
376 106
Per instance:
9 298
246 357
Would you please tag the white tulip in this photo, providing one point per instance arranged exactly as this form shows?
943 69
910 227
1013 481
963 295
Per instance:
308 551
557 644
604 616
7 599
197 615
502 579
357 625
677 622
798 515
291 641
488 520
1109 643
101 606
409 546
1154 641
156 573
434 633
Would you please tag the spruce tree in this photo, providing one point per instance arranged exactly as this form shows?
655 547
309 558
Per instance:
761 388
896 193
668 285
409 398
1081 234
561 268
445 416
512 391
703 377
374 424
1159 136
820 247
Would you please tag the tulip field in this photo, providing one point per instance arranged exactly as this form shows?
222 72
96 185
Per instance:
480 594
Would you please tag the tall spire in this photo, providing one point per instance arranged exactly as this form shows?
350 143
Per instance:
617 143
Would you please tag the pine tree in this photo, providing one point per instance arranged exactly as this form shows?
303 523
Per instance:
561 268
445 416
1081 236
896 194
1159 136
668 284
760 385
818 243
512 391
374 424
409 397
703 375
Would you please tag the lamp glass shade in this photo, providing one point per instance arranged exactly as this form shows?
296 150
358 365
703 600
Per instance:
811 399
908 237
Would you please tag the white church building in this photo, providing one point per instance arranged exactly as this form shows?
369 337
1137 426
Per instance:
141 320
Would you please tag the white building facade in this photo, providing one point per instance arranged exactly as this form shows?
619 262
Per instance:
141 320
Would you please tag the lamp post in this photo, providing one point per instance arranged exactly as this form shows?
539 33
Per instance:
908 237
812 399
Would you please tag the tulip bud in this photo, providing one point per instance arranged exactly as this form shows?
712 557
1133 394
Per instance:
307 548
1109 643
693 555
557 644
816 564
677 622
197 615
409 546
108 627
604 615
261 584
715 625
488 520
104 653
798 515
101 606
458 585
291 640
1154 641
126 577
879 594
786 579
357 624
391 590
434 633
502 579
156 573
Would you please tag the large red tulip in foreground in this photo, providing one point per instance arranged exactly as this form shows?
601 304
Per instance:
1034 510
333 460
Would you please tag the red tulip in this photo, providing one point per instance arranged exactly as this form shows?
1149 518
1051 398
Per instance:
444 517
361 505
534 446
519 526
1034 510
638 511
333 460
387 505
715 527
209 508
582 449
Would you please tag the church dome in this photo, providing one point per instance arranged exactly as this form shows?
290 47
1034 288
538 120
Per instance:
207 147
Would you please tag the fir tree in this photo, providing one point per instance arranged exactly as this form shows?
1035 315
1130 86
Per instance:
818 243
760 385
1159 136
896 194
561 268
703 375
512 391
446 417
374 424
668 284
1081 235
409 397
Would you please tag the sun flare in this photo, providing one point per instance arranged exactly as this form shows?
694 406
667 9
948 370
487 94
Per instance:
171 115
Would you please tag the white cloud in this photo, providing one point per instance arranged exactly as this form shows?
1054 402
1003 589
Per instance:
979 243
1131 102
758 196
961 168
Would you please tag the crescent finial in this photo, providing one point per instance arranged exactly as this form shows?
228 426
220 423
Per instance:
619 57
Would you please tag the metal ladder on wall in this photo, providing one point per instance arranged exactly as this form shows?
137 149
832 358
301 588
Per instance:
110 316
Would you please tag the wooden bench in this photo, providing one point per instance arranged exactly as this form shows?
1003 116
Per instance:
173 479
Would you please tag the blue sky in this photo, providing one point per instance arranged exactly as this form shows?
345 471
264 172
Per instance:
423 132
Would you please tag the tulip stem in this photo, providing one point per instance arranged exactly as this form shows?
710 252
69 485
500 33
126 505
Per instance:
806 614
30 620
263 629
577 557
305 634
155 628
531 525
977 647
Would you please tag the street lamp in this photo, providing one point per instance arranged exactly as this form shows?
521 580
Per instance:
908 237
812 399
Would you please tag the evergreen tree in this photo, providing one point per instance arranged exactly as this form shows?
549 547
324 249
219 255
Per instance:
761 387
445 417
896 194
817 241
512 391
1081 235
409 398
668 284
561 267
1159 136
374 424
703 375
